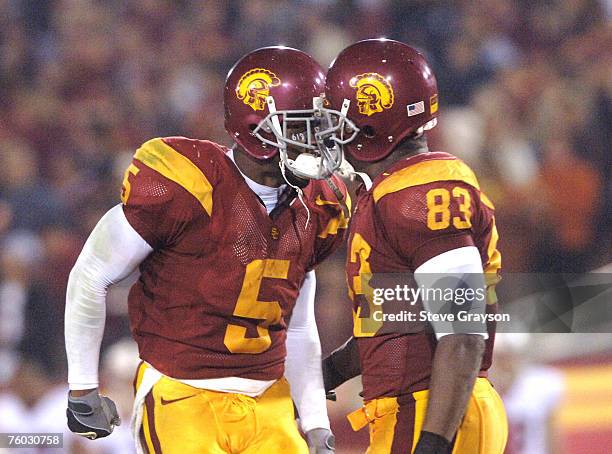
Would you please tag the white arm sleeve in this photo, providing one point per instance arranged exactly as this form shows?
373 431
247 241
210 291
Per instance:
456 262
112 251
303 363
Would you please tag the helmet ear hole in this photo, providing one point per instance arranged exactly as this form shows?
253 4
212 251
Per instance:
368 131
252 127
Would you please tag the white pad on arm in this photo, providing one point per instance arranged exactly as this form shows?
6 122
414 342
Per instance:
464 260
112 251
303 363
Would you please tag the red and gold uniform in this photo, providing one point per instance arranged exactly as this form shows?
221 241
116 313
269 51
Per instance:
214 297
419 208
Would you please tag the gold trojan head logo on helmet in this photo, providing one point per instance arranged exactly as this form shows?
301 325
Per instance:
374 93
254 87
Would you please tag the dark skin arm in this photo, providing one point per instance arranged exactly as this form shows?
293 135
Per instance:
456 364
341 365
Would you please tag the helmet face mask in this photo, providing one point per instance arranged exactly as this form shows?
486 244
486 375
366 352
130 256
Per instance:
339 129
268 101
311 135
332 131
284 127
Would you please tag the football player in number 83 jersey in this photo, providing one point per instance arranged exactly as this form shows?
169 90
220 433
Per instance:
226 242
422 214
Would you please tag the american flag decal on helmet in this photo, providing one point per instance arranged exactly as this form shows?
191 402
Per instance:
416 108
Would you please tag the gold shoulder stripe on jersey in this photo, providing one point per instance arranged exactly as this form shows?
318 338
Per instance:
426 172
484 199
165 160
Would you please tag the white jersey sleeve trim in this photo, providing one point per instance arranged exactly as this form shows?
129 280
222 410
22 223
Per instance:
463 260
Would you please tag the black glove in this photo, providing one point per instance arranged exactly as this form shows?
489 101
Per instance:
92 416
320 441
340 366
431 443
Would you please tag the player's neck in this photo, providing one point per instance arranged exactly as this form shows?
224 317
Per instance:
262 172
403 151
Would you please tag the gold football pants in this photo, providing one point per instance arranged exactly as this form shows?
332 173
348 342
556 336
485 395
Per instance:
395 422
181 419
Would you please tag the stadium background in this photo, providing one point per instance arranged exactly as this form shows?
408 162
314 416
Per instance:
525 90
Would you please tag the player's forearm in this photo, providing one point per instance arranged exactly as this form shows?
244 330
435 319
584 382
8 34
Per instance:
303 371
456 364
84 323
111 253
341 365
303 363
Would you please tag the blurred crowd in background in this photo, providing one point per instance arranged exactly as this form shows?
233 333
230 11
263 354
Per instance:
525 90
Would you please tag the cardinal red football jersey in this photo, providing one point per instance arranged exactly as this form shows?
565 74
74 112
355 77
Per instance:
215 296
419 208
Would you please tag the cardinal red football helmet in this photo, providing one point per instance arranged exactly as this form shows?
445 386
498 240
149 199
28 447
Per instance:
266 92
391 93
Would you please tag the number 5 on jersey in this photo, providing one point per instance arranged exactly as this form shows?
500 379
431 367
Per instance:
248 306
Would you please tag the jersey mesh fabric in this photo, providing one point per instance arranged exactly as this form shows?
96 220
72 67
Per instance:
195 285
250 242
153 188
396 229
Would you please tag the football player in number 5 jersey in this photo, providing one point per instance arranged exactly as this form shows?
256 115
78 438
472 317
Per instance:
422 213
226 243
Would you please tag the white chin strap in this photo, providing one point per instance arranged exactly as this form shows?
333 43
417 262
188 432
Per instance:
427 126
306 166
297 189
